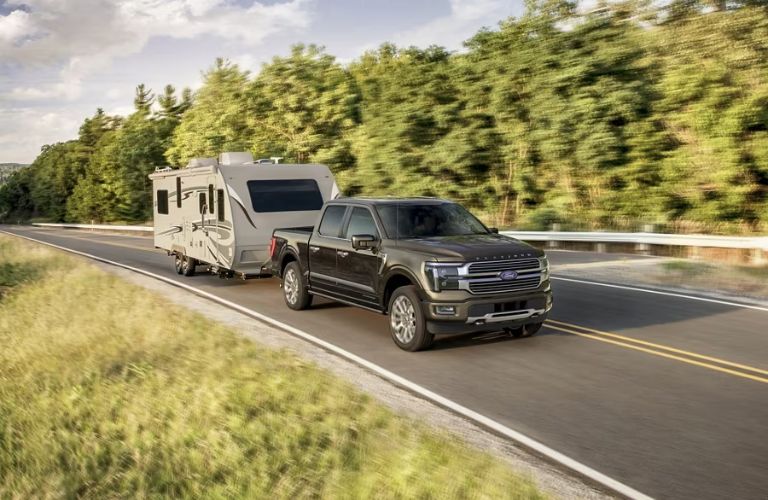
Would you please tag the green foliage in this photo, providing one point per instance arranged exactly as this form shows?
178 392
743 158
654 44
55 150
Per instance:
303 108
635 112
104 397
217 121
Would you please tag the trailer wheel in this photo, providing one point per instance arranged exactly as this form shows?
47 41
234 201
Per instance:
188 266
178 263
294 289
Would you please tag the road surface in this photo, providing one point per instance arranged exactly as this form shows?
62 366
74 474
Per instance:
668 395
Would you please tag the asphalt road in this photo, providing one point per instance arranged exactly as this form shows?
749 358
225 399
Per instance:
668 395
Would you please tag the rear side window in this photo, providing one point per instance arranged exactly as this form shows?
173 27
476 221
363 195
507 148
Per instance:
220 203
162 201
331 223
285 195
360 222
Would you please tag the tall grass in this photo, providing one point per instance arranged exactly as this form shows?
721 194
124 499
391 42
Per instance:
107 391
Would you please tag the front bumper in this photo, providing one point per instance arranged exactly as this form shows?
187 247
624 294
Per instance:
488 313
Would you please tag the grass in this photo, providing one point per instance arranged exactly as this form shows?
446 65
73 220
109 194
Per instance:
106 391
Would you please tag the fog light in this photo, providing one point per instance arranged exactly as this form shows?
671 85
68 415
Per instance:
445 310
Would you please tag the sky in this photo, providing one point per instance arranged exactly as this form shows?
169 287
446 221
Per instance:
62 59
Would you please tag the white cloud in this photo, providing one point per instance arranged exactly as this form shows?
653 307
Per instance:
14 27
24 130
84 36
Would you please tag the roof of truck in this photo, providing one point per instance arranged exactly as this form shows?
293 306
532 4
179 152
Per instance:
415 200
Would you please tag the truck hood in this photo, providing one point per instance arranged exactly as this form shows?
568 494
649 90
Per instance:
469 248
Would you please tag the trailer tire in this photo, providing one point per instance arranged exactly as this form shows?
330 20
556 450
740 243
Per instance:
188 266
178 263
295 292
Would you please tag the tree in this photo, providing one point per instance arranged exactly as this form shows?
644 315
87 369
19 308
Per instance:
218 120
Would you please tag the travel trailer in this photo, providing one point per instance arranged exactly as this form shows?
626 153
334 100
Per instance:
221 213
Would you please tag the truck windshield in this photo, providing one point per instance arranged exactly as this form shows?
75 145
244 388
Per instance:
428 220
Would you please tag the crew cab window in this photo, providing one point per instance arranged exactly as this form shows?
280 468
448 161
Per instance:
360 222
331 223
285 195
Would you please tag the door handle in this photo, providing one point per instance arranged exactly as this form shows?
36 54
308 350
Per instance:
342 253
314 249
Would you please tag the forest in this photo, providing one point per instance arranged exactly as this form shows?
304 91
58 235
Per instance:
632 113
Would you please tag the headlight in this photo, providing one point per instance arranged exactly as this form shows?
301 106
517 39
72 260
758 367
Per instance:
544 264
442 276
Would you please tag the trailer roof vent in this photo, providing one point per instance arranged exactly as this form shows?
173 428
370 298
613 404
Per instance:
235 158
201 162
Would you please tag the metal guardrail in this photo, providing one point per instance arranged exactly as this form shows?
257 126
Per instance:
686 240
95 227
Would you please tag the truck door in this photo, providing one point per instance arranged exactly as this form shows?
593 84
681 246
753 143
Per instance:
358 270
324 243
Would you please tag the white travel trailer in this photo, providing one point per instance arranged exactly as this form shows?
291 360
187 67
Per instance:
221 214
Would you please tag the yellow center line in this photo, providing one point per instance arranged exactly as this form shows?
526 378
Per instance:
663 347
658 353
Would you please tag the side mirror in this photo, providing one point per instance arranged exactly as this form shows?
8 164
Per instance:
364 241
494 230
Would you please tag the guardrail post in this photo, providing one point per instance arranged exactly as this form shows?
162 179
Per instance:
758 257
554 243
644 248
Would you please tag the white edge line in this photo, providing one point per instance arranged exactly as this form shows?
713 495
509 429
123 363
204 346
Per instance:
659 292
484 421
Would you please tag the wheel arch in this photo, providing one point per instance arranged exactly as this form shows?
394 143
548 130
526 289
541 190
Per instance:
397 278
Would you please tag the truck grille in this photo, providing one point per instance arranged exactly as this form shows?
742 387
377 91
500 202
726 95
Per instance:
497 266
524 283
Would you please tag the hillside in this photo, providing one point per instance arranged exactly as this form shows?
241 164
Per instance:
6 169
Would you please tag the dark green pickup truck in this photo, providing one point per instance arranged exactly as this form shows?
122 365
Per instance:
428 263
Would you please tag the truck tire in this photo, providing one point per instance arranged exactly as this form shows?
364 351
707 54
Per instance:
406 320
178 263
295 291
188 266
528 330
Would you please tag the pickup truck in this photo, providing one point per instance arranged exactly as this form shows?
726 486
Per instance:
428 263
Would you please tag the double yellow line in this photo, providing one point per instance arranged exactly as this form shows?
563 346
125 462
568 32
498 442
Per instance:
691 358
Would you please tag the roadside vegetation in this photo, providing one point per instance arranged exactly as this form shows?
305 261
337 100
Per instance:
106 391
634 112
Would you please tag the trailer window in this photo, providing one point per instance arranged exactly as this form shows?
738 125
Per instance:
210 197
162 201
285 195
331 223
220 203
201 199
178 192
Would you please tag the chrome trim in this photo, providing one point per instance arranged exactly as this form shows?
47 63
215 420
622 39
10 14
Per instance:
506 316
463 267
465 279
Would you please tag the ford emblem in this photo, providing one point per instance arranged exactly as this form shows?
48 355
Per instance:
508 275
